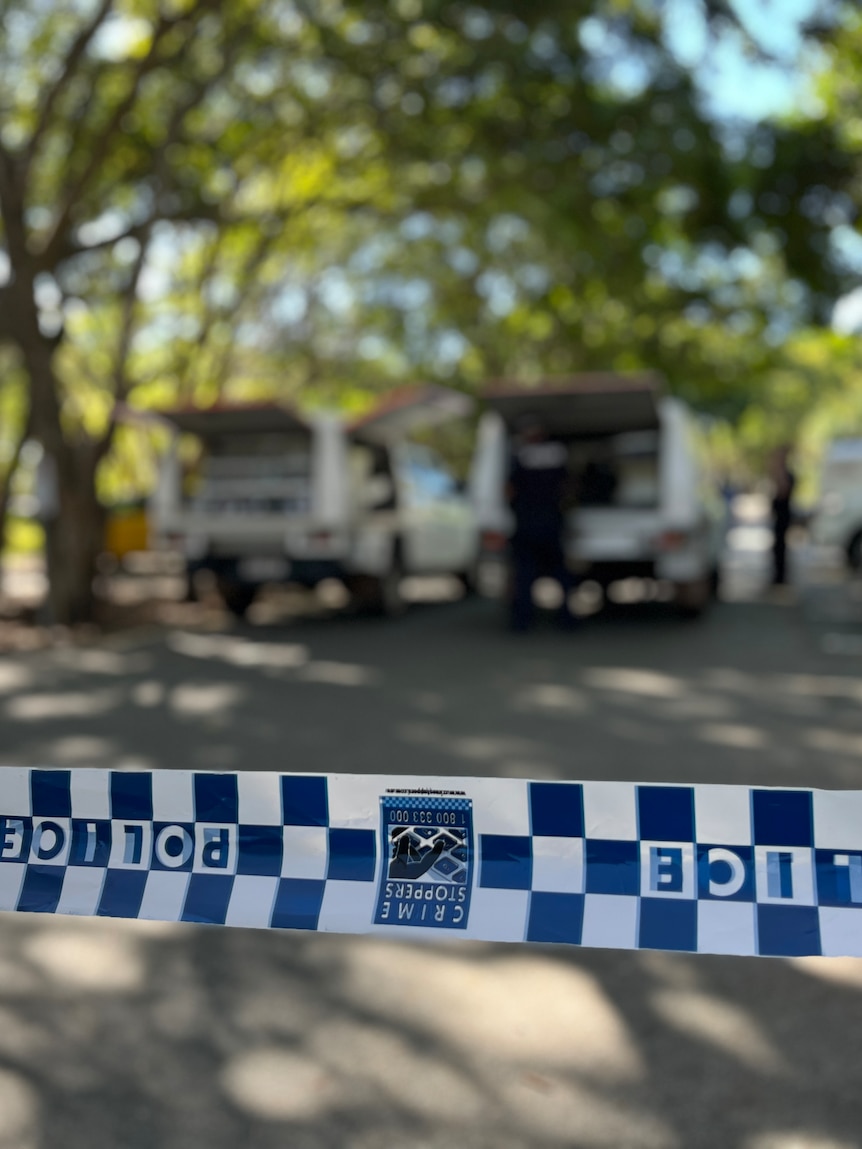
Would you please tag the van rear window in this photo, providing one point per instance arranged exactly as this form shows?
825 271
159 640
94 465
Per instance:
619 471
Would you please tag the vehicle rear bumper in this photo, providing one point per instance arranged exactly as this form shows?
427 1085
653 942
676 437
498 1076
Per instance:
684 564
681 568
608 571
305 571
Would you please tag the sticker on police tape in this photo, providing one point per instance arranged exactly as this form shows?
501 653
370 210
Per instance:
427 876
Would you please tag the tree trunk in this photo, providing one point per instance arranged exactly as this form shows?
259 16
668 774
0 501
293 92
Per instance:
74 538
74 520
73 517
6 491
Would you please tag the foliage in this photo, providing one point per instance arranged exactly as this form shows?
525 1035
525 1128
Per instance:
574 204
24 537
316 199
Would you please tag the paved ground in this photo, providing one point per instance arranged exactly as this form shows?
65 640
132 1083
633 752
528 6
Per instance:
177 1037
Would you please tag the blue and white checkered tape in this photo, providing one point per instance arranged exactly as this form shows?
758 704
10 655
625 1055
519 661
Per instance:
707 869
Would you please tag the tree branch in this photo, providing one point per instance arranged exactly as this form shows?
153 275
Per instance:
127 327
202 85
102 145
12 207
213 312
69 71
100 150
199 212
196 213
121 380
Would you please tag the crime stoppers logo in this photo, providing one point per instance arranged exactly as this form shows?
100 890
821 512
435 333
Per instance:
427 875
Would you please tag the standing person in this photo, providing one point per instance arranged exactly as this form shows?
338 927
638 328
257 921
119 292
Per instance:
783 482
537 491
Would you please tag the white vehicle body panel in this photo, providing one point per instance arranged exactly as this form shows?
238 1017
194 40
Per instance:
670 527
488 473
599 534
838 517
330 480
439 525
342 500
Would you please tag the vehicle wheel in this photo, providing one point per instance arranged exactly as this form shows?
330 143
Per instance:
469 580
715 583
238 596
191 594
387 592
854 552
380 595
692 598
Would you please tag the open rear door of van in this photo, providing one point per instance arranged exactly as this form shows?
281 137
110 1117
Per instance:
410 409
595 404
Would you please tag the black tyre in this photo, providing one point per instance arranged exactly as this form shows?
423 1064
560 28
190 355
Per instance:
692 598
380 595
191 594
469 580
854 552
715 583
386 597
237 596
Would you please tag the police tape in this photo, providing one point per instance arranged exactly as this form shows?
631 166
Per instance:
702 868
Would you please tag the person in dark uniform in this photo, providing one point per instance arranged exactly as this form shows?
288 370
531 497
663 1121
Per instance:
783 480
537 491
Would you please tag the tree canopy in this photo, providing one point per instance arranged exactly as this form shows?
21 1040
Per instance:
320 198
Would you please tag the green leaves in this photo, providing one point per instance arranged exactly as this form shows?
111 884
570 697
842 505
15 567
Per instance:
530 193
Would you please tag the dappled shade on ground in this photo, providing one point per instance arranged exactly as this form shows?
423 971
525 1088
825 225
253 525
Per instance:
151 1035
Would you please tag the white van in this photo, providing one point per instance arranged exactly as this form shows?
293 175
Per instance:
642 507
837 521
277 497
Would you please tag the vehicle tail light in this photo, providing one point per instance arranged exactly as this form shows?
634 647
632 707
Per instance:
321 538
672 540
493 541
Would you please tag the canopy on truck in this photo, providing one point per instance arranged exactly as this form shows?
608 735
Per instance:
398 413
259 459
408 409
591 405
228 419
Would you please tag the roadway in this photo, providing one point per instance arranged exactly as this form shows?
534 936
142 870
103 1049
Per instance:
172 1037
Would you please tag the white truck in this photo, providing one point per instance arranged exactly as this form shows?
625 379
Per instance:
837 520
278 497
642 504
